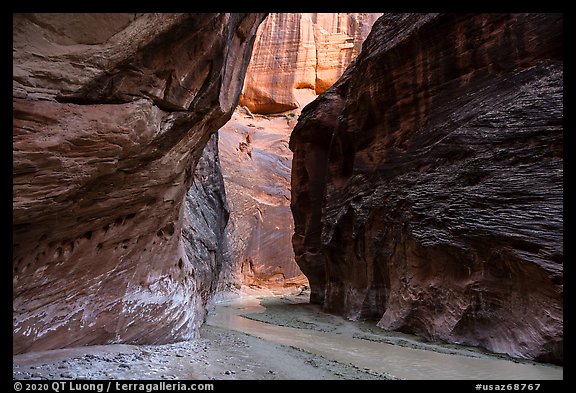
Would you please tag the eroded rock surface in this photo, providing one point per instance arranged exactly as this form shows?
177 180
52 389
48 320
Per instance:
299 55
111 113
427 183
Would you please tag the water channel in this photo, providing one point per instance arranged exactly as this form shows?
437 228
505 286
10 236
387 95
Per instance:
402 362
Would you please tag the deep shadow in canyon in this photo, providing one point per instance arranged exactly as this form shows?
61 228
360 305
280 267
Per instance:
426 184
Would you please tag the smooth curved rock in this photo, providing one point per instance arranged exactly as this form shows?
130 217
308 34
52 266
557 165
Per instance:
298 56
427 183
111 113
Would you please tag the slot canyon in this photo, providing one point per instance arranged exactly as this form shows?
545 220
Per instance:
287 196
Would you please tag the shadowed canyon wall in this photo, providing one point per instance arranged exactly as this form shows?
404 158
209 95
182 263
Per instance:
427 183
299 55
111 113
206 214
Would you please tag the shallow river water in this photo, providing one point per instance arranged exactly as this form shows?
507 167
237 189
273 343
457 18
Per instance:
399 361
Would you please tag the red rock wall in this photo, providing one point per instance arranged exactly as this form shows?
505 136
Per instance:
427 183
256 165
111 113
298 56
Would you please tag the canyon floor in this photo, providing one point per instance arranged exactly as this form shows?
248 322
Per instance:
219 354
225 352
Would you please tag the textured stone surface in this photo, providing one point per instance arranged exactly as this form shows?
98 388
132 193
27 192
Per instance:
428 182
299 55
205 217
110 115
256 165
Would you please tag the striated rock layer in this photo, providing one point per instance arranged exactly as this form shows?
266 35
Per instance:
427 183
111 113
298 56
256 165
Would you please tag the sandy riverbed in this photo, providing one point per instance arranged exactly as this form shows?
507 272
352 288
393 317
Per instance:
223 353
219 354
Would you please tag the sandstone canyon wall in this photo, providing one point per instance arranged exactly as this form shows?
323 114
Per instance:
256 164
296 56
299 55
427 183
111 113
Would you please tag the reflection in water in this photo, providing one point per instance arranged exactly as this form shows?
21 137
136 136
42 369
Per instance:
402 362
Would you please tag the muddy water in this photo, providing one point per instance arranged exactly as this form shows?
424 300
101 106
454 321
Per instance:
402 362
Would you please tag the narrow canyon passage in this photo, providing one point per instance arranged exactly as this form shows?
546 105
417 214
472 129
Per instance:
288 196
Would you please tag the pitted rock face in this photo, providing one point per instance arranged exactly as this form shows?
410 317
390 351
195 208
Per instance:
111 114
427 183
299 55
